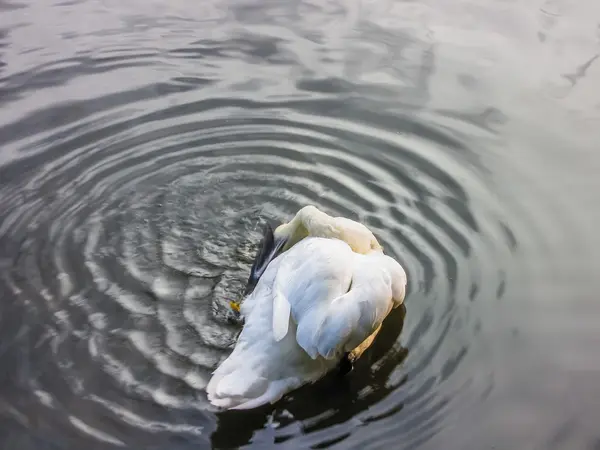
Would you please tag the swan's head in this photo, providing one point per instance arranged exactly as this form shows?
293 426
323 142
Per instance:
310 221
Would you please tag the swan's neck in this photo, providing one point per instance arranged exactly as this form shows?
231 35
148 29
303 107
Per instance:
308 222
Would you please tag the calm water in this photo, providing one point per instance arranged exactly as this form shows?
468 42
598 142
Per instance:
143 144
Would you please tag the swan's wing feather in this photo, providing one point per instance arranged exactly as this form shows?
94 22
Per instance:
281 305
281 314
398 280
342 323
336 297
311 274
338 327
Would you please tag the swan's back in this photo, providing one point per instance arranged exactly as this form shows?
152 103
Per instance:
300 318
346 297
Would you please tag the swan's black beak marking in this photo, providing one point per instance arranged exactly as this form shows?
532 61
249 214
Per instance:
269 249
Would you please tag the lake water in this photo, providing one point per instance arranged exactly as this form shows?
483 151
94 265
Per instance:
143 145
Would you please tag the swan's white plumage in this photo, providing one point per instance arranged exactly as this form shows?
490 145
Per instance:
313 303
281 313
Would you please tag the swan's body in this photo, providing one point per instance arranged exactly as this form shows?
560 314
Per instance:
322 298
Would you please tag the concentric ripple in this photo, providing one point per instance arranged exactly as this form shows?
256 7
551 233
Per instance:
123 245
136 176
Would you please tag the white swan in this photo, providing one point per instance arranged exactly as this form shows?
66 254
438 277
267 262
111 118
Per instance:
325 296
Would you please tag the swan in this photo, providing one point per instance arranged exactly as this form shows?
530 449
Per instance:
319 290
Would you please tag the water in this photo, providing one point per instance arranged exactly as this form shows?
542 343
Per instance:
143 144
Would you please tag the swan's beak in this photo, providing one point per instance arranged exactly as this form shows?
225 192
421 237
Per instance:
270 248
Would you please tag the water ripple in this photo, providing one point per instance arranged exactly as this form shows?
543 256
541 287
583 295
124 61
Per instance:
132 219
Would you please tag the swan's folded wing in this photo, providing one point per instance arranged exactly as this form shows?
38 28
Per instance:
310 275
340 324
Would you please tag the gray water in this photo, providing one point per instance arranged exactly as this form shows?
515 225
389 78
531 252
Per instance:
143 145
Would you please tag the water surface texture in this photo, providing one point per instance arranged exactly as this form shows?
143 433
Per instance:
144 144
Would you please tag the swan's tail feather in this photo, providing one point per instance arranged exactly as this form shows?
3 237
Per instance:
236 384
236 391
274 392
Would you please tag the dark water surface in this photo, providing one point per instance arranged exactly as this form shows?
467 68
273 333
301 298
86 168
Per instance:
144 143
